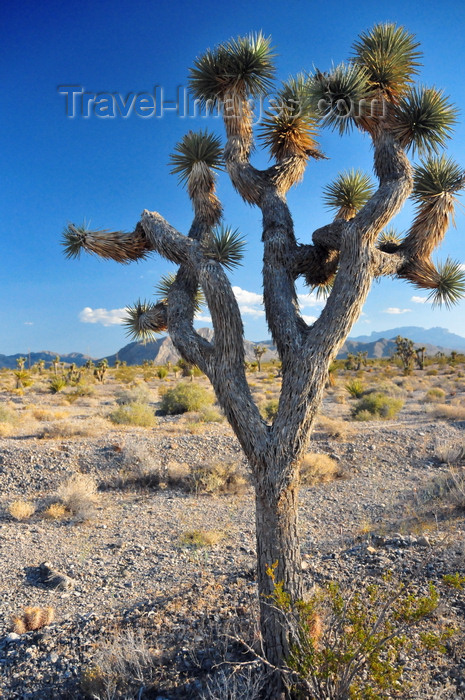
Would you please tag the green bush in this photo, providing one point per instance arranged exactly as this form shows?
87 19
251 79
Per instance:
270 409
378 405
139 414
185 397
435 394
6 416
161 372
355 388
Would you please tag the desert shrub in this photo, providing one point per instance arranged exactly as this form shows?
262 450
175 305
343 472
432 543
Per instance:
209 414
121 667
79 496
219 478
57 384
355 388
139 468
316 468
137 414
7 416
431 372
435 394
185 397
450 453
79 428
21 510
449 412
162 372
136 394
334 427
55 511
269 409
378 405
81 391
356 651
125 375
195 539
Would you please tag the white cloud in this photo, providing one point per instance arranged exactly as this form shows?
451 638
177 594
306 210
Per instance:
28 323
462 267
419 300
107 317
203 319
309 319
250 303
308 300
395 310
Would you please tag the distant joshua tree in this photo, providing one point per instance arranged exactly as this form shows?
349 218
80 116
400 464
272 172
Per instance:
376 94
259 351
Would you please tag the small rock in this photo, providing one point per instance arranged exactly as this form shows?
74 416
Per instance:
13 637
423 541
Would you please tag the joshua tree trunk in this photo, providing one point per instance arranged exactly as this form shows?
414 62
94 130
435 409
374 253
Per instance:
343 257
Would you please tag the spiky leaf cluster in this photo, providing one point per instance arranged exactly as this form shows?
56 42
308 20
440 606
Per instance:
226 246
73 239
389 56
389 239
291 127
194 148
348 193
435 176
323 290
114 245
450 284
163 287
241 66
424 119
335 97
144 320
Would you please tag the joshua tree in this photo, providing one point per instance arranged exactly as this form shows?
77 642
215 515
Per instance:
258 351
101 370
373 92
420 356
20 362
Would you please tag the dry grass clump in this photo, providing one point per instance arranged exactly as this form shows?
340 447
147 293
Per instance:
46 416
90 427
450 453
177 474
219 478
334 428
434 395
138 393
21 510
79 496
32 619
316 468
139 468
449 412
196 539
55 511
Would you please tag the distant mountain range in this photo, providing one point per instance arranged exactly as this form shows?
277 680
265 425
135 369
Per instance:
160 351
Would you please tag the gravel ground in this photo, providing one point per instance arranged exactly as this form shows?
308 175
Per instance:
131 575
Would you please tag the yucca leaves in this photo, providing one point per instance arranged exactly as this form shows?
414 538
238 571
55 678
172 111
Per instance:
322 291
389 55
335 97
195 148
227 247
450 284
424 119
164 285
348 193
144 320
389 238
241 66
114 245
291 127
435 176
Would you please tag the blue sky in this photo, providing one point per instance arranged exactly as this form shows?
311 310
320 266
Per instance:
58 169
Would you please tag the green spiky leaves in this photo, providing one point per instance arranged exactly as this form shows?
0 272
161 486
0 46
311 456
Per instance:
73 240
163 287
227 247
291 127
390 58
348 193
450 284
144 320
337 97
241 66
436 176
424 120
389 239
196 148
